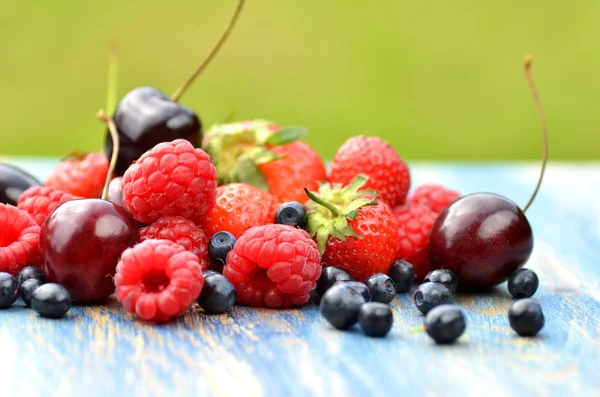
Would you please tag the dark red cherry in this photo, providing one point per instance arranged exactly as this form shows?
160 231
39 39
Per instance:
13 182
482 238
115 194
82 241
146 117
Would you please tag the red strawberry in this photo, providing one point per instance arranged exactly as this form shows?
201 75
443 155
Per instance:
262 154
388 173
353 231
81 175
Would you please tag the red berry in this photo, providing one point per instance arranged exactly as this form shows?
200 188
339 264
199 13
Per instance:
19 236
158 280
181 231
388 173
40 201
435 197
415 222
82 175
273 266
173 178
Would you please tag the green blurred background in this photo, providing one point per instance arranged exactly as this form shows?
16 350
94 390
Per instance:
440 80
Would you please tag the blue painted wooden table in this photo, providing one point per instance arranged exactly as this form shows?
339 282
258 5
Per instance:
102 351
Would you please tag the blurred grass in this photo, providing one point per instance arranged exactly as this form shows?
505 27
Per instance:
438 79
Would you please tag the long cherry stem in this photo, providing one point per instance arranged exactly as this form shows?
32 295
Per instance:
211 55
112 128
538 104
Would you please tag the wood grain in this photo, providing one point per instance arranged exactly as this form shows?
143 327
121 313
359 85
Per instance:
102 351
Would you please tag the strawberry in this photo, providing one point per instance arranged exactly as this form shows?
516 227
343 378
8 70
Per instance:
388 173
262 154
353 231
80 174
239 207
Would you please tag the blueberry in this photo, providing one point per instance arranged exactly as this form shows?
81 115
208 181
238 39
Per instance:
51 300
9 289
314 297
526 317
429 295
208 273
219 246
442 276
28 273
359 287
382 288
523 283
329 276
291 213
26 289
445 323
340 306
218 294
375 319
403 275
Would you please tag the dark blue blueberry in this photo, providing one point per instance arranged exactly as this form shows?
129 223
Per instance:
219 246
28 273
207 273
382 288
314 297
523 283
9 289
329 276
51 300
218 294
340 306
429 295
403 275
442 276
291 213
375 319
445 323
359 287
526 317
26 289
13 182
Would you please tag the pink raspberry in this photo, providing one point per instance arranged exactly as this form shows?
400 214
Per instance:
173 178
19 236
415 222
81 175
273 266
40 201
158 280
436 197
181 231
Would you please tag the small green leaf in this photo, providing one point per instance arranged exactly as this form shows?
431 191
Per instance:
249 173
286 135
352 214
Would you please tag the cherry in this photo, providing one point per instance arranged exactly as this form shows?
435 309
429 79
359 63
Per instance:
484 237
146 116
13 182
115 194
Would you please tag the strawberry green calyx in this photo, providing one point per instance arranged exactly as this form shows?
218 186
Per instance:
330 209
236 149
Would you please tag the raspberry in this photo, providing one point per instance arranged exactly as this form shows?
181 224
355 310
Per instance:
415 222
81 175
19 235
181 231
40 201
173 178
273 266
158 280
435 197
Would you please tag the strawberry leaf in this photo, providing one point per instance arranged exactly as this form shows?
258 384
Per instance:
249 173
286 135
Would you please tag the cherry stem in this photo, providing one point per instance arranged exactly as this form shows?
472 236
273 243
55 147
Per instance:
112 128
538 104
180 91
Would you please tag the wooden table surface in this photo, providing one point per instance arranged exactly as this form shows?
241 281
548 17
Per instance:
102 351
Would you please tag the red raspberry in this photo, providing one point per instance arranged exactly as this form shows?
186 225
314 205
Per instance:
173 178
19 235
40 201
415 222
158 280
81 175
181 231
273 266
435 197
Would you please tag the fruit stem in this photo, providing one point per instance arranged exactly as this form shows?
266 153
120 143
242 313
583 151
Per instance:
211 55
538 104
330 206
112 128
